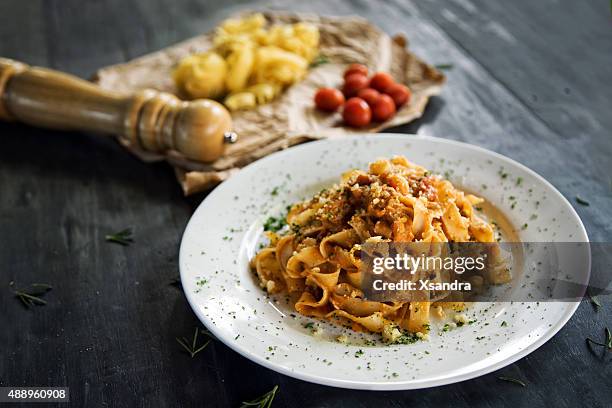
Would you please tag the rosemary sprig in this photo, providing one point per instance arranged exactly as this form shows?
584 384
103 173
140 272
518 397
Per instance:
31 296
582 201
608 344
513 380
444 66
319 60
193 348
595 302
265 401
123 237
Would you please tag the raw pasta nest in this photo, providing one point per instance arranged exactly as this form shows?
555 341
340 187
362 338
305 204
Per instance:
315 257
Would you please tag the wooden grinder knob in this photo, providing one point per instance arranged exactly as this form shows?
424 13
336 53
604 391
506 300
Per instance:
149 120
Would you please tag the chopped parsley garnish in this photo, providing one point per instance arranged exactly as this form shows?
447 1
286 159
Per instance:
274 224
407 339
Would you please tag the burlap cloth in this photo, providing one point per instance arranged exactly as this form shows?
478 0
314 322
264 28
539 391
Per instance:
291 118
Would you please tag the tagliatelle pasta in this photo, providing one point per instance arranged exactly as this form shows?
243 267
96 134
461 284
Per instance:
317 257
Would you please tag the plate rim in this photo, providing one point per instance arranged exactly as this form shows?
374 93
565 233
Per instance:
378 385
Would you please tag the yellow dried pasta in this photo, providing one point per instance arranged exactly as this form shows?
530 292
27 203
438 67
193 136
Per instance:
258 62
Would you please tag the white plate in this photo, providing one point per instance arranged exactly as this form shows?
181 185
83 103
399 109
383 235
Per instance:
225 231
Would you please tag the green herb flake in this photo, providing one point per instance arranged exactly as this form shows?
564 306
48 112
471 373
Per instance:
504 324
274 224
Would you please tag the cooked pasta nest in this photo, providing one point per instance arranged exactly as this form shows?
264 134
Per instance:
315 258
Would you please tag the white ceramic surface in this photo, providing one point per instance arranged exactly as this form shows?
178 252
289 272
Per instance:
226 230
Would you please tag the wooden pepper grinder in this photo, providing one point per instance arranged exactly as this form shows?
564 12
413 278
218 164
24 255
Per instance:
149 120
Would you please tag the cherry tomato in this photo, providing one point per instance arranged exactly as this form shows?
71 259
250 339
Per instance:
383 108
328 99
353 84
399 93
381 81
356 69
357 113
369 95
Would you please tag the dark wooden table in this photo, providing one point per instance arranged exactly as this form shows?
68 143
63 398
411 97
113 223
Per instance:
529 79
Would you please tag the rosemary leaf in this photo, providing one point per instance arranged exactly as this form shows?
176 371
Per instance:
39 289
25 301
607 345
444 66
202 347
591 341
31 295
193 348
183 343
319 60
512 380
595 302
582 201
265 401
33 299
123 237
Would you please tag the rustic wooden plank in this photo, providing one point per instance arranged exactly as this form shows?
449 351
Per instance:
554 58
